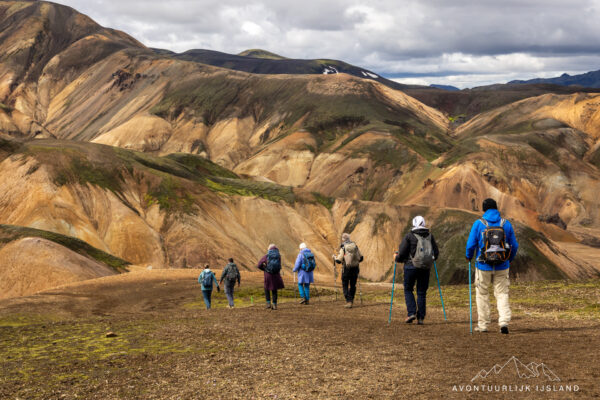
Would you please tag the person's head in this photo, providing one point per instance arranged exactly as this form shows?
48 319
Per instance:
271 247
302 246
206 266
418 222
345 237
231 260
489 204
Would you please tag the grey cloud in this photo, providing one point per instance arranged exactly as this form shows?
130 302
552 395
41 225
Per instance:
383 35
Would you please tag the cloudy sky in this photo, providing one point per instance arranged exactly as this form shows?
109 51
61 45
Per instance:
455 42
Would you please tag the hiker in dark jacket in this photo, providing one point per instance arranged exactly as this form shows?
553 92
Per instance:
271 264
350 258
230 274
412 274
207 279
487 274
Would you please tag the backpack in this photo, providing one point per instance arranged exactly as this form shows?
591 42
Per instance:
423 257
232 272
495 250
351 255
207 279
309 264
273 262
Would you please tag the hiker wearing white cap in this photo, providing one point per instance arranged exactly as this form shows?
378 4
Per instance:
350 258
417 251
304 266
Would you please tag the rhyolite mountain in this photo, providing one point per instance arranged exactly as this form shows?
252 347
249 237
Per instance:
167 162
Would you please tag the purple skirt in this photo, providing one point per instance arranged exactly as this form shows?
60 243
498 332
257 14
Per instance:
273 281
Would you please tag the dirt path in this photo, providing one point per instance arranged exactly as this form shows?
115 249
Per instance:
168 347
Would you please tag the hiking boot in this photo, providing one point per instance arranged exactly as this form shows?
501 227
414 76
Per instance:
268 307
348 304
274 306
504 330
420 322
305 302
481 330
302 301
410 319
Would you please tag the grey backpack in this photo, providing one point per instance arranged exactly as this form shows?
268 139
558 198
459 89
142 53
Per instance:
423 257
351 255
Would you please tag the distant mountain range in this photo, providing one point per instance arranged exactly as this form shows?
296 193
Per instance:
257 61
589 79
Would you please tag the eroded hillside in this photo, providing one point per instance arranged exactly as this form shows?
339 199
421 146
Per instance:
165 162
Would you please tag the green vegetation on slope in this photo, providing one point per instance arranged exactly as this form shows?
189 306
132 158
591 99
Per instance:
325 112
10 233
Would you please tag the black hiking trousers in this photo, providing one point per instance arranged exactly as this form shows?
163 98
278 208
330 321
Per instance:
269 294
349 278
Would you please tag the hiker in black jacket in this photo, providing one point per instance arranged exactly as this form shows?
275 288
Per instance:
419 273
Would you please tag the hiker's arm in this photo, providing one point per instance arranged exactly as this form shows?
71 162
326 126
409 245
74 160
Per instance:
403 250
298 262
340 256
216 282
436 251
200 277
262 262
223 274
472 241
360 256
512 240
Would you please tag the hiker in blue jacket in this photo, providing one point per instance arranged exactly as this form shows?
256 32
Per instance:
207 278
494 250
305 278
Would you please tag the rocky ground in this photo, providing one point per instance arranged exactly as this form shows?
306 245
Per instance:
54 344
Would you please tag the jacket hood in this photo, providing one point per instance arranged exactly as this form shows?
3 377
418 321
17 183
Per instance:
305 250
421 231
492 216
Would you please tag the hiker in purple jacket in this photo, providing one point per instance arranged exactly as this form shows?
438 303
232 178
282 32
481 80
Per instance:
271 264
305 278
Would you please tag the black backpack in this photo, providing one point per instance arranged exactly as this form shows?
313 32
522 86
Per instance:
273 262
232 272
495 250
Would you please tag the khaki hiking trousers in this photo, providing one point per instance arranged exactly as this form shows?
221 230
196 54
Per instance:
501 282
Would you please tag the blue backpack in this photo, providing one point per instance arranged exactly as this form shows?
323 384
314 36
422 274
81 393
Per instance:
273 262
207 280
309 263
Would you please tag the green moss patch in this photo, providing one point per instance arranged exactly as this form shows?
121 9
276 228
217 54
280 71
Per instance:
10 233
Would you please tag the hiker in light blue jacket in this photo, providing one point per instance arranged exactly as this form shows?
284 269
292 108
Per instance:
207 278
305 278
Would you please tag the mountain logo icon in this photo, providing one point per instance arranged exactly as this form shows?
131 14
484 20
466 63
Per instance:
531 370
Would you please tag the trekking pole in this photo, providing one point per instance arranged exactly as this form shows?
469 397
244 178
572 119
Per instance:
470 301
360 291
317 290
393 285
440 289
335 278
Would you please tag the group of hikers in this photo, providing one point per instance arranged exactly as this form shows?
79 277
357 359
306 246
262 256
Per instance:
491 241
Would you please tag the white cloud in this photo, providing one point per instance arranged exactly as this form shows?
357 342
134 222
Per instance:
467 38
